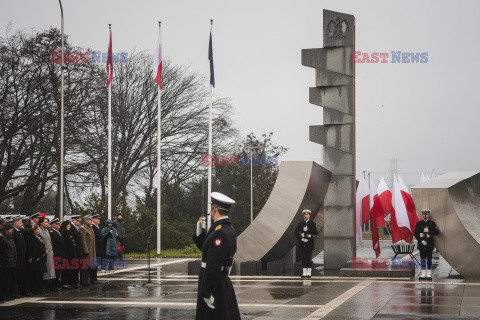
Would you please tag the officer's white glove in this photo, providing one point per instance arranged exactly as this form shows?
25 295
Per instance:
304 240
428 236
424 242
302 234
305 228
309 235
201 226
422 234
210 302
425 229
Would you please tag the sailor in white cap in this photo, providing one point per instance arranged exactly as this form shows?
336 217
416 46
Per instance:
424 231
305 232
216 297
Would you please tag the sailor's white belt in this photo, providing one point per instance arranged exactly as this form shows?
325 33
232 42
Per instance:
204 265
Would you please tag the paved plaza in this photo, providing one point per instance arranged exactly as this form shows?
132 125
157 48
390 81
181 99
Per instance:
124 294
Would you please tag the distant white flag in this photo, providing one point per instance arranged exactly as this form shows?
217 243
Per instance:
423 178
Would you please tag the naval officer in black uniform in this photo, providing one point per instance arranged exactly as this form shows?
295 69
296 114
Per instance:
305 232
216 297
424 231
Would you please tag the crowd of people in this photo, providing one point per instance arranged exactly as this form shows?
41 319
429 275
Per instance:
38 255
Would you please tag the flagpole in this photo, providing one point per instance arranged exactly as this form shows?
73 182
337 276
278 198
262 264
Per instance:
62 146
110 141
209 207
159 155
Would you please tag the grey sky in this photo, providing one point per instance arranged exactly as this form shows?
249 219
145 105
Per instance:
430 114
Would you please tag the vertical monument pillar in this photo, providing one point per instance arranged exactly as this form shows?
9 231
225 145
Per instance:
334 91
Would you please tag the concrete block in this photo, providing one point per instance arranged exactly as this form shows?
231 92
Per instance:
332 59
331 116
337 136
330 78
339 98
250 268
337 252
340 192
338 29
276 268
338 162
339 221
194 267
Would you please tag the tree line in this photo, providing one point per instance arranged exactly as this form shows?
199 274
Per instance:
30 139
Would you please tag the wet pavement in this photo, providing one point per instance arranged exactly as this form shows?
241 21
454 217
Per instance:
125 294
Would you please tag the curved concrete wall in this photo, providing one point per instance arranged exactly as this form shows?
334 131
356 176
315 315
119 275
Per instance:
299 185
454 199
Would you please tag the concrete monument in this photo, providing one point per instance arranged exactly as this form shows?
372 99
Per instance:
334 91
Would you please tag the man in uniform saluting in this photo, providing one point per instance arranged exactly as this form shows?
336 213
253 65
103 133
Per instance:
216 297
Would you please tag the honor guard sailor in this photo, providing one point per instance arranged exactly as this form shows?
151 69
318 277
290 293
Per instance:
216 297
305 232
424 231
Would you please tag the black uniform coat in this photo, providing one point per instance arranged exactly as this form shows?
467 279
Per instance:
70 244
78 241
19 240
311 230
218 247
427 236
38 253
58 244
99 247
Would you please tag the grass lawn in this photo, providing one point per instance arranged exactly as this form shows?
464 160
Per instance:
368 234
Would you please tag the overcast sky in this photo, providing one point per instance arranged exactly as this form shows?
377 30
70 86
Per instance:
425 115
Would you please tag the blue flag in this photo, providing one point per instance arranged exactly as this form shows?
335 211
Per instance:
210 57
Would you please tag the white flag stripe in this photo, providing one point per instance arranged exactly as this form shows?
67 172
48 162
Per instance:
398 203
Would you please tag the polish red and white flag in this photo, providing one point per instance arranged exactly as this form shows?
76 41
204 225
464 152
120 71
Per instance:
376 211
362 214
404 217
157 62
385 197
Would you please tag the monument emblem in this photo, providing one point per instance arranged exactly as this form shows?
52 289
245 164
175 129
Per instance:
337 29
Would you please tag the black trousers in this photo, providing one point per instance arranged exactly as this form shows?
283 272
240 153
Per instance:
306 258
21 280
85 275
11 285
426 258
8 283
93 275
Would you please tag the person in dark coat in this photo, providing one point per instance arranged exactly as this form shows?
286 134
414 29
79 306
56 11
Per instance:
305 232
110 238
8 264
99 248
71 258
216 298
20 248
58 245
28 275
119 224
75 226
424 231
37 263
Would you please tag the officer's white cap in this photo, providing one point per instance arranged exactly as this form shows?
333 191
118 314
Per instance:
307 211
222 200
426 211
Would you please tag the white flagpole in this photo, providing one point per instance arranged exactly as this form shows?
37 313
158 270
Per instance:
159 154
110 141
209 207
62 146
